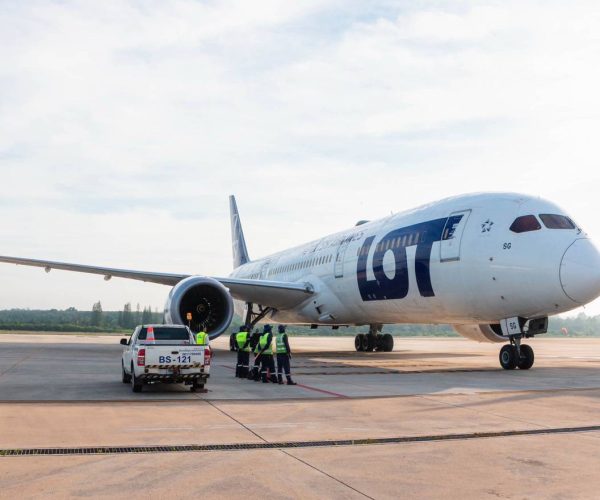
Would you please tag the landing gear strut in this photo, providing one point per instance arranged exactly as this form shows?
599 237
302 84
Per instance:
253 317
374 340
515 355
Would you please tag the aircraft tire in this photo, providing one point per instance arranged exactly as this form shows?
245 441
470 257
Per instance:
366 343
358 342
508 357
527 357
387 343
372 343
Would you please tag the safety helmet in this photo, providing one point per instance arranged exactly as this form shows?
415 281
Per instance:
281 328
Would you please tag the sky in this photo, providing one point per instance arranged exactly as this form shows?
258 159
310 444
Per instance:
125 125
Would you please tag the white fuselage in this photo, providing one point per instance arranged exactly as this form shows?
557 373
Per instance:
454 261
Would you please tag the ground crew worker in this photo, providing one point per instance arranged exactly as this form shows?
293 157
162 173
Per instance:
243 348
266 355
284 354
232 341
254 374
202 338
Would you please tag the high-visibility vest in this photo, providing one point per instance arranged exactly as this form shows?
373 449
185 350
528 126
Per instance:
202 338
257 347
263 342
280 347
241 339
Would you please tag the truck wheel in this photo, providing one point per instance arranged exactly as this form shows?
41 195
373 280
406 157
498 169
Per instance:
124 377
136 386
196 386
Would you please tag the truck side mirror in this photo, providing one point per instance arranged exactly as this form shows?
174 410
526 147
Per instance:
123 341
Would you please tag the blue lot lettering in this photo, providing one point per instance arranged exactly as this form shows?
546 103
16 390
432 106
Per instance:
424 235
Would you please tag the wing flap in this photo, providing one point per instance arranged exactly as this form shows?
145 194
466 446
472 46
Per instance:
276 294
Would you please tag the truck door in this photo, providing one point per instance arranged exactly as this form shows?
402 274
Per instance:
452 235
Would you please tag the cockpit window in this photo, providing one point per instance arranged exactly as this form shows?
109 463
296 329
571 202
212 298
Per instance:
525 223
553 221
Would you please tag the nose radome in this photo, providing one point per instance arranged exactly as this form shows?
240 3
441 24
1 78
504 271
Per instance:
580 271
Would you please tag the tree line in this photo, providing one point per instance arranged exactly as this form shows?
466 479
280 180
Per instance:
74 320
98 320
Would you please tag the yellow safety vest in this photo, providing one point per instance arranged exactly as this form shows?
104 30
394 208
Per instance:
202 338
241 339
280 347
263 342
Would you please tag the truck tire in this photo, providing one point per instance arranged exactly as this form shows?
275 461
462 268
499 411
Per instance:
126 379
196 386
136 386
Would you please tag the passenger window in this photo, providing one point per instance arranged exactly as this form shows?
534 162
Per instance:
553 221
525 223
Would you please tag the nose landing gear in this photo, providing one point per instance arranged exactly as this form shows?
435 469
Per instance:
516 355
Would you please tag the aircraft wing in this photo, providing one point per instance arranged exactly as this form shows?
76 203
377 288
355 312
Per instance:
276 294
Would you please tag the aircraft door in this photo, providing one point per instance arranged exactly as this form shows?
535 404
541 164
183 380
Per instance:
452 235
338 269
263 270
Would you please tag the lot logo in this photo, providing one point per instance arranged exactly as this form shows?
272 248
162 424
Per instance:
420 235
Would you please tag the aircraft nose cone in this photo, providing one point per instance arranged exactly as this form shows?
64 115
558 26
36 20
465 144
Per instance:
580 271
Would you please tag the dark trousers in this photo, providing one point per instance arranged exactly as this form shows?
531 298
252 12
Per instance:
243 361
255 372
283 364
267 364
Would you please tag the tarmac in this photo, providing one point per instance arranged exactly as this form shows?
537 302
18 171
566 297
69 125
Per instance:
436 418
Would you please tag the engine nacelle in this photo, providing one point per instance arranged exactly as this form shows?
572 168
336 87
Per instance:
481 333
208 301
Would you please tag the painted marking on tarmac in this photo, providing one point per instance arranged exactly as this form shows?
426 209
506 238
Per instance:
322 391
146 429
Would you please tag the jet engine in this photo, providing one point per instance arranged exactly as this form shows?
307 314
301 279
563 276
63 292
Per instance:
481 333
206 301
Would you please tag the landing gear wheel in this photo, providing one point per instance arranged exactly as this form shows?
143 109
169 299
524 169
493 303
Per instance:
371 343
508 357
387 343
358 342
527 357
126 379
136 386
366 343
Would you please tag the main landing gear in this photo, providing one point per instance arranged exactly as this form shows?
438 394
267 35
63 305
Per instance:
374 340
516 355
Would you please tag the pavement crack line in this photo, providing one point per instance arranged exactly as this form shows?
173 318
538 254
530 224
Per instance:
483 412
325 473
283 451
17 363
270 445
231 417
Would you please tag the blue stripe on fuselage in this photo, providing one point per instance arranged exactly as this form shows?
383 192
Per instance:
384 288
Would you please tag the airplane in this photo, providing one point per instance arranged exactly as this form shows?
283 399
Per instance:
492 265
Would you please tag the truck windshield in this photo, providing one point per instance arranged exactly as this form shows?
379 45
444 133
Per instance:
166 333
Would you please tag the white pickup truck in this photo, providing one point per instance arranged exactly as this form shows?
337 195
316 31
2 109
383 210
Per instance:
164 353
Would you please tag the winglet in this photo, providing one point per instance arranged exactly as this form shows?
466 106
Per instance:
240 252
